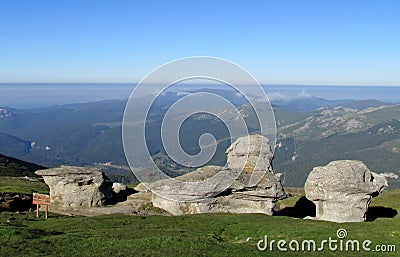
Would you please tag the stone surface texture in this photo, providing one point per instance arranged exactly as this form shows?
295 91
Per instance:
255 187
342 190
76 187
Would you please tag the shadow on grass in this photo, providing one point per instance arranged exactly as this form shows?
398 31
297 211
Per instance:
380 212
305 207
301 209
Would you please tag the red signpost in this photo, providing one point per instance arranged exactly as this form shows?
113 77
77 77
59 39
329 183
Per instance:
40 199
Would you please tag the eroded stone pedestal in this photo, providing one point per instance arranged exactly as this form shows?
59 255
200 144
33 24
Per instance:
342 190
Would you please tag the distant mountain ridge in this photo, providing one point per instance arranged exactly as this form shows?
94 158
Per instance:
378 147
306 104
311 131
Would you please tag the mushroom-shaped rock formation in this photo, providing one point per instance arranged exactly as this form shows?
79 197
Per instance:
254 187
76 187
342 190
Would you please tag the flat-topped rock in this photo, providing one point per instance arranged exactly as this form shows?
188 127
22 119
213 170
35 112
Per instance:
76 187
342 190
71 170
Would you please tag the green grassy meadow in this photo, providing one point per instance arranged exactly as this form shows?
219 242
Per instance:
22 234
19 185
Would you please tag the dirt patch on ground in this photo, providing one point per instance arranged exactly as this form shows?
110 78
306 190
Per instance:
15 202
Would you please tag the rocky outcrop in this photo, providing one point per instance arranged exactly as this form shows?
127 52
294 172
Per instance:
342 190
246 185
76 187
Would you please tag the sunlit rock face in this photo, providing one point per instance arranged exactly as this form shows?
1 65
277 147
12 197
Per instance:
255 187
342 190
76 187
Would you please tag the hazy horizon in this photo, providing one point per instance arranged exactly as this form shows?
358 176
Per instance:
37 95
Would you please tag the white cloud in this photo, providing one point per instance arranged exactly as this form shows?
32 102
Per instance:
179 93
304 94
276 96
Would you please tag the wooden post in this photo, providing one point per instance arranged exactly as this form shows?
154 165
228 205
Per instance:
41 200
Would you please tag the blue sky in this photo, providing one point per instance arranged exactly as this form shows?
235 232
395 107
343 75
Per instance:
306 42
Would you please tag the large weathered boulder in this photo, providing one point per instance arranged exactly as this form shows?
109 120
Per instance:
253 187
76 187
342 190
